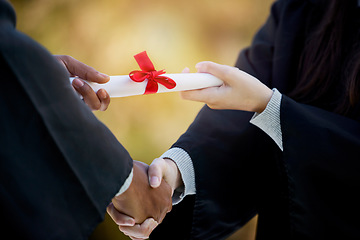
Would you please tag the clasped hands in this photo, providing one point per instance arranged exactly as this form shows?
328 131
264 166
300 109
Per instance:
144 205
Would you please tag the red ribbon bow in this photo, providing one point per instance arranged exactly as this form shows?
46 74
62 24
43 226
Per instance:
149 72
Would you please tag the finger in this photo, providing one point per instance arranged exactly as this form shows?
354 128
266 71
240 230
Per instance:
104 98
186 70
140 231
156 172
224 72
82 70
90 97
206 95
119 218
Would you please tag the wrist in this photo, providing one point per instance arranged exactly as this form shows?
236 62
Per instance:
263 100
173 174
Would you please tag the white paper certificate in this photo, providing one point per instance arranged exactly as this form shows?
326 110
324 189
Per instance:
123 86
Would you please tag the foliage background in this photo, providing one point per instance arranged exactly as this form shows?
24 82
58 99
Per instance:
176 34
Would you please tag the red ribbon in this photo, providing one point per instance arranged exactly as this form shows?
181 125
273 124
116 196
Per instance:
149 72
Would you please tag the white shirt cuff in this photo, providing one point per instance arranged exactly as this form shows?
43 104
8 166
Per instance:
126 184
269 119
186 168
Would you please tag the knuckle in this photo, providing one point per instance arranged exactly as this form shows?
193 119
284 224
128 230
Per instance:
230 72
206 67
157 163
94 105
154 166
86 89
66 58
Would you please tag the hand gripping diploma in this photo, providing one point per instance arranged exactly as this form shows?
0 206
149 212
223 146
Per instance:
99 100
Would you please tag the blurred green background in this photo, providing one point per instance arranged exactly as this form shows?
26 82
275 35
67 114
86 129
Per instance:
176 34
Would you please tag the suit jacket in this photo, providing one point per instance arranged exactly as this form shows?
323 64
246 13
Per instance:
59 165
308 191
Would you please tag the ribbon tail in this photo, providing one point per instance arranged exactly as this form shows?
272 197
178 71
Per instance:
151 87
144 62
166 81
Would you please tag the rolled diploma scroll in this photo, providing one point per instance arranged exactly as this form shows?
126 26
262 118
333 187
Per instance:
123 86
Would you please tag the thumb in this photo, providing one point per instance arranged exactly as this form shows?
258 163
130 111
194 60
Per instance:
156 172
224 72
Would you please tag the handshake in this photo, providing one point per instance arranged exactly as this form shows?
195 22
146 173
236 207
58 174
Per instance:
147 200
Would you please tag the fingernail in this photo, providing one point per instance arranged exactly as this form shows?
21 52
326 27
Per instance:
78 83
102 94
154 181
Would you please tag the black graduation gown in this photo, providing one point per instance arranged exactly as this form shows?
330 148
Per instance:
309 191
59 165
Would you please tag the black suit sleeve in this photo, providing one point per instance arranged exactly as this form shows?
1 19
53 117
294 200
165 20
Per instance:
60 166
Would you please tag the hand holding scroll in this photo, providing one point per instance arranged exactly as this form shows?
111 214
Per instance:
98 100
240 90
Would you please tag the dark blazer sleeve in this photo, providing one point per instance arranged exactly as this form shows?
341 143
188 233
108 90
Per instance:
321 155
60 166
224 147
